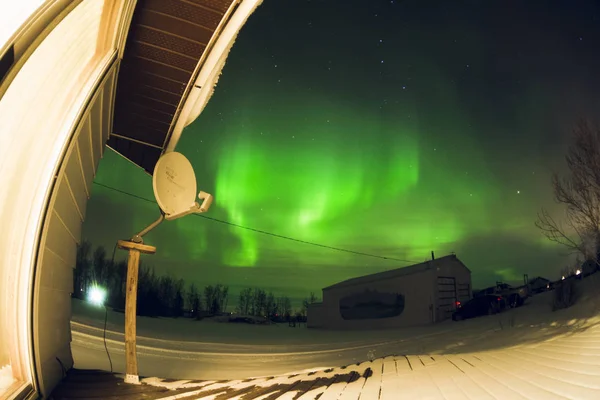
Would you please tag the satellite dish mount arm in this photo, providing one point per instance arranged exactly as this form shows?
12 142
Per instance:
138 237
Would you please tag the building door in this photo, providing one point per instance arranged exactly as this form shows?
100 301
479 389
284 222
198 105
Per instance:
447 295
464 292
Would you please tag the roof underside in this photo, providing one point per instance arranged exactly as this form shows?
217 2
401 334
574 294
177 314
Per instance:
165 43
393 273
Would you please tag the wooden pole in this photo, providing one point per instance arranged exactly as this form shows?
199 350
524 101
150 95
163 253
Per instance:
133 265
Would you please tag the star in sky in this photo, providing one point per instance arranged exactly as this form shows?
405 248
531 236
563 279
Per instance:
402 197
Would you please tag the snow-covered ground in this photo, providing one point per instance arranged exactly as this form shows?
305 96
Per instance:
531 337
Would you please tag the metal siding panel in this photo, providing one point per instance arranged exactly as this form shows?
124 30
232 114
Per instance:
417 299
62 279
65 207
52 375
86 154
154 92
54 313
99 136
46 269
59 240
165 40
127 85
56 274
166 23
164 56
170 72
95 120
53 372
107 96
74 175
201 15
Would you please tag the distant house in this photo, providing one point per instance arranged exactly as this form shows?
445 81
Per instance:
539 284
414 295
589 267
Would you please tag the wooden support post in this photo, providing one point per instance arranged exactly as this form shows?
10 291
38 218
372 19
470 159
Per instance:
133 264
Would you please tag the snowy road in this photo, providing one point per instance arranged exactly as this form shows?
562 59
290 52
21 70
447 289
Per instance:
194 360
527 353
564 367
178 359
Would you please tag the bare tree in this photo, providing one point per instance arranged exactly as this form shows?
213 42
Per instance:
99 263
259 302
270 305
284 307
307 302
225 298
245 301
83 267
579 191
210 299
179 301
194 300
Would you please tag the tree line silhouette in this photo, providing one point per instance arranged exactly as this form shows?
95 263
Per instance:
167 296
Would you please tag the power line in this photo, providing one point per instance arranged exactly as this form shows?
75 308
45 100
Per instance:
261 231
125 193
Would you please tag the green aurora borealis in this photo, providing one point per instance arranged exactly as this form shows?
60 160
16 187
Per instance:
435 127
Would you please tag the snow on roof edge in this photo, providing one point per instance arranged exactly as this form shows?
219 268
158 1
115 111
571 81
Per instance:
403 271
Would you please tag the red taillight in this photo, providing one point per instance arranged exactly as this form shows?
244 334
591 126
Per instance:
458 304
499 298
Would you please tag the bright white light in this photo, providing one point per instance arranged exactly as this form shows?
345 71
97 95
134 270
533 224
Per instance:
578 272
14 14
563 278
96 296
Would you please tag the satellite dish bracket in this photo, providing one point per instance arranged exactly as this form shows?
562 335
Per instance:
138 237
195 208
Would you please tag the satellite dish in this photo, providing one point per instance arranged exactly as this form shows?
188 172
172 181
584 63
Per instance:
174 184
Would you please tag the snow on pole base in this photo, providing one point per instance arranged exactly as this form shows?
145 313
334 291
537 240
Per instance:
133 379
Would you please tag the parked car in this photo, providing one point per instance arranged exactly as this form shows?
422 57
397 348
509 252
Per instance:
514 296
478 306
484 292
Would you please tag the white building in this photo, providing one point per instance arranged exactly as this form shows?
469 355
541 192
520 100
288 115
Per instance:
415 295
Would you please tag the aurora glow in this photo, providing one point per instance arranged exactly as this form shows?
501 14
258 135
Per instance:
433 127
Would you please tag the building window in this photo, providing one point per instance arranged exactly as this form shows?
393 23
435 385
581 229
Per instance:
371 304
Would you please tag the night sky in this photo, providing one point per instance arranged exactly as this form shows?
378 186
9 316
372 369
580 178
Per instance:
391 128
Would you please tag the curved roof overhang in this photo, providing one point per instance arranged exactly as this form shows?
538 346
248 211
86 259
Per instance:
173 58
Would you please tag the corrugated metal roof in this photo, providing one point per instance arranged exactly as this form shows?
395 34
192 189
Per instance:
166 41
412 269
